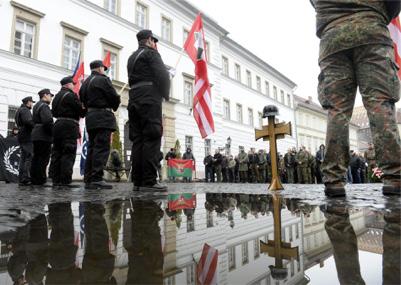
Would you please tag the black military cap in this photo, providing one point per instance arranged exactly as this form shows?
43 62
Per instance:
44 92
27 99
66 80
145 34
96 64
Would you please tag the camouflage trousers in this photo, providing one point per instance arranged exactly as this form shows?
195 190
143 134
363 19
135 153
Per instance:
372 69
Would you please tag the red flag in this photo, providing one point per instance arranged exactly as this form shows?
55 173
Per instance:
195 46
207 266
78 77
107 60
395 32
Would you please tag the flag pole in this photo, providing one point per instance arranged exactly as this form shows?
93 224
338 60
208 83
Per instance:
178 60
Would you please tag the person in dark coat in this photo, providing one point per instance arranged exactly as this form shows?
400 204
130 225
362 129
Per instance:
25 124
42 137
217 161
355 164
170 155
150 83
100 99
320 154
189 155
208 162
67 108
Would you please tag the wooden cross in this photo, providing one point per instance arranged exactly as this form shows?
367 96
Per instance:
271 133
276 248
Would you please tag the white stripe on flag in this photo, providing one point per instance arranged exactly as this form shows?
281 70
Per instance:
208 100
396 36
205 122
198 85
209 258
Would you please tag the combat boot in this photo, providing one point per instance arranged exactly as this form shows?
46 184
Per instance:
334 190
391 187
99 185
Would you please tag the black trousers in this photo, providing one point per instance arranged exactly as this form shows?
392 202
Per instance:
98 154
40 160
63 159
209 175
25 162
145 121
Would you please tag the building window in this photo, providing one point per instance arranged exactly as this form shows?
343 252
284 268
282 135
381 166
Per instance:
111 6
191 274
226 109
141 15
289 100
275 93
72 49
190 224
12 110
188 91
73 45
256 248
260 118
245 253
224 61
185 35
282 100
258 84
207 46
166 29
237 72
169 280
189 142
239 113
209 219
114 50
250 117
208 147
249 79
267 88
231 258
25 30
24 38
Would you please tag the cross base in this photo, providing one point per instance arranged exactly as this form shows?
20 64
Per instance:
276 185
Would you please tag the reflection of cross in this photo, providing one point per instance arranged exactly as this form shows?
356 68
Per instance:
276 248
272 132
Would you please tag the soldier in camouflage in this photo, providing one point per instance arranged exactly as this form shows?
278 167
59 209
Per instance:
302 160
356 51
370 158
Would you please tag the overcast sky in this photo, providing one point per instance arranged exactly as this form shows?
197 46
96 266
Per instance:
280 32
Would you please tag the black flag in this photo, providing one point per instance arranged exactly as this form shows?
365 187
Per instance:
9 159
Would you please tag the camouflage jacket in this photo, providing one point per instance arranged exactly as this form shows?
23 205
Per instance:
346 24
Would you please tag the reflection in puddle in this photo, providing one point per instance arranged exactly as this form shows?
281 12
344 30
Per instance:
261 239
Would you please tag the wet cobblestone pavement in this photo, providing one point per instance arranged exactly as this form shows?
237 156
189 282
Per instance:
295 236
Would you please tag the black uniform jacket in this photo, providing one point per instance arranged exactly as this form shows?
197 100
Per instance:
98 94
149 67
67 105
24 121
43 119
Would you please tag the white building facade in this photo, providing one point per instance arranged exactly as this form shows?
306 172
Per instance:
42 41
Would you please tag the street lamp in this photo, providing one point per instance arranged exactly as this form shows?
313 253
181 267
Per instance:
228 146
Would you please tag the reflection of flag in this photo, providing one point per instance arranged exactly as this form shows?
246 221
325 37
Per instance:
195 46
181 201
81 223
395 32
79 74
207 266
180 168
84 153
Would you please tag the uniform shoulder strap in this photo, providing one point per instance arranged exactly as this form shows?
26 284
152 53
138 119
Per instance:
136 58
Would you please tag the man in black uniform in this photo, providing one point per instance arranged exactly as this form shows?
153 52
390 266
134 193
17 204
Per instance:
150 83
24 121
99 99
67 109
41 137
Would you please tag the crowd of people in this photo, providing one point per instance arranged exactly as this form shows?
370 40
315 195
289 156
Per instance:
295 167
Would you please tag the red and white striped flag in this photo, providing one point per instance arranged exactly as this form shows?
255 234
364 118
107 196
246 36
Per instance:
395 32
195 46
207 266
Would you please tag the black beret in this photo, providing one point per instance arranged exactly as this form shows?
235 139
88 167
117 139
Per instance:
145 34
44 92
27 99
66 80
96 64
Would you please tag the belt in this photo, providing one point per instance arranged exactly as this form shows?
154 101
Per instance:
100 109
68 119
141 84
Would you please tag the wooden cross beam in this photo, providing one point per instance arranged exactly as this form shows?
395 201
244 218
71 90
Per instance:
271 133
277 248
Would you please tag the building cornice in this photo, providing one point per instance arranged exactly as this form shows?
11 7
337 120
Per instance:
73 28
27 9
248 55
110 43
